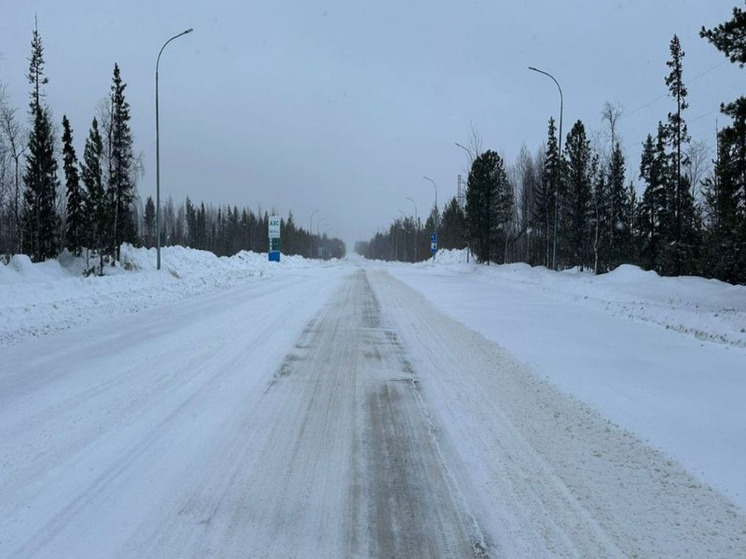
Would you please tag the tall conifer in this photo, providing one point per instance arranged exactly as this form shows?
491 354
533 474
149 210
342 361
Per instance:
680 249
545 196
576 195
40 217
121 187
96 203
75 224
726 190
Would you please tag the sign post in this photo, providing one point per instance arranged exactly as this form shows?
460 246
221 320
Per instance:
274 238
434 244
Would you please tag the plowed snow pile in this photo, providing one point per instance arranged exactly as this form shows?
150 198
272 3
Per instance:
38 298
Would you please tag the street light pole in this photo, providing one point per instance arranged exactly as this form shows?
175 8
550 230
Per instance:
471 158
467 150
158 154
310 235
416 226
436 200
559 168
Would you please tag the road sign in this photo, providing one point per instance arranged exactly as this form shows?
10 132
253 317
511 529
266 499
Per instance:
274 227
434 243
274 238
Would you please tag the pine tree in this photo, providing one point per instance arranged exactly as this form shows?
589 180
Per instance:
726 191
545 196
96 208
121 187
576 226
488 206
75 225
730 37
40 218
680 249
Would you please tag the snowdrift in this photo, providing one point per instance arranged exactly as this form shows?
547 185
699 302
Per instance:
707 309
38 298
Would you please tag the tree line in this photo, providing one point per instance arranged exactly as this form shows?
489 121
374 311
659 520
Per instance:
226 230
580 207
91 206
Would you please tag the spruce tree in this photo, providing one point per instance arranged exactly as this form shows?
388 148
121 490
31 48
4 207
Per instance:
545 196
725 199
654 212
191 225
601 218
40 218
621 216
149 223
576 225
452 234
488 206
75 225
121 187
96 204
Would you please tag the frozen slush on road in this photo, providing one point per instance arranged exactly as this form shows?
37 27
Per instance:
343 410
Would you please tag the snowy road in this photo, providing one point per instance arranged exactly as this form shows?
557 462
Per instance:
331 413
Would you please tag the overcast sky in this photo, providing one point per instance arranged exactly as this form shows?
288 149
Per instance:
343 106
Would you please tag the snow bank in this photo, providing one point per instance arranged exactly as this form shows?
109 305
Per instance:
707 309
664 358
36 299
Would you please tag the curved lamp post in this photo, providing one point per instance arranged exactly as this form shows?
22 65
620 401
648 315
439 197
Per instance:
436 199
559 168
467 150
158 153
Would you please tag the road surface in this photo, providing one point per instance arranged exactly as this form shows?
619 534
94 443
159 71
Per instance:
330 413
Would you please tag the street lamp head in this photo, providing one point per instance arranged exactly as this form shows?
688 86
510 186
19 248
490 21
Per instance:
188 31
532 68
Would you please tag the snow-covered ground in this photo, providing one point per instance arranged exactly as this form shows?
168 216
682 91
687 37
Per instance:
36 299
232 407
662 357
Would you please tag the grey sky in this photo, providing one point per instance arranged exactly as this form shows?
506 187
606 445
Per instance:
344 106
